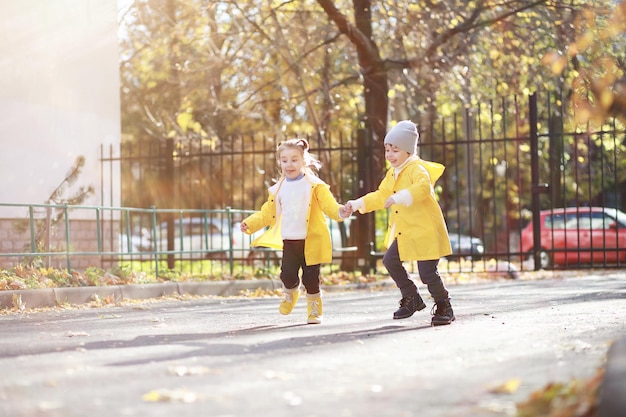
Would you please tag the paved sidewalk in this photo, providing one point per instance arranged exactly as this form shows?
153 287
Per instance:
612 401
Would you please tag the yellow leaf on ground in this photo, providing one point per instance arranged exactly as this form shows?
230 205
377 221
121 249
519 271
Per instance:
509 387
164 395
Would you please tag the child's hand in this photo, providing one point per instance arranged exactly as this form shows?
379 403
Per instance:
243 226
345 211
390 202
350 205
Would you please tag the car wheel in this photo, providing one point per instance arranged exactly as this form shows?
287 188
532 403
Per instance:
545 261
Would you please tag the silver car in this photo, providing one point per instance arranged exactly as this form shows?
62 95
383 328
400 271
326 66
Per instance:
466 247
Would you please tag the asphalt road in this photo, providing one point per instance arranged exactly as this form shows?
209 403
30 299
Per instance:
239 357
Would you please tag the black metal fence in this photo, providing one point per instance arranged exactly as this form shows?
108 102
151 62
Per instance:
511 166
506 160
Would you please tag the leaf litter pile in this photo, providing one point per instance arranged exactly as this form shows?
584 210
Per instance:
23 277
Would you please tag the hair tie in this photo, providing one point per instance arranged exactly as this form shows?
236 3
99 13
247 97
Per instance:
304 143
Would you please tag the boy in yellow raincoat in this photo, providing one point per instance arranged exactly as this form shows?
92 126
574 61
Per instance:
295 212
417 229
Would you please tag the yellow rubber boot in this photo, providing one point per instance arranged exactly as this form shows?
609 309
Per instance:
314 308
290 300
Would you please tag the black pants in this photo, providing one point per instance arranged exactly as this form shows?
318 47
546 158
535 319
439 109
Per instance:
293 261
429 274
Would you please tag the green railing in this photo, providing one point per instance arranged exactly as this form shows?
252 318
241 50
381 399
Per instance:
113 235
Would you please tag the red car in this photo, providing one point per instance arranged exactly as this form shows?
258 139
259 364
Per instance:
578 235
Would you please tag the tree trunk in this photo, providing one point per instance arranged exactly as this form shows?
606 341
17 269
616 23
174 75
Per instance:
375 84
375 89
373 70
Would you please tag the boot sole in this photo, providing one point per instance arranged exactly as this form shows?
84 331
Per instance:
443 323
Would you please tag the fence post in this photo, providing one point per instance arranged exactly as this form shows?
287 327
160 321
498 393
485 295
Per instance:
99 232
536 187
67 238
155 246
231 261
31 223
168 181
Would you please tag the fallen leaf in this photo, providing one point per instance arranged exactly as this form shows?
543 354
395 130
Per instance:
165 395
574 399
509 387
189 370
278 375
74 334
16 300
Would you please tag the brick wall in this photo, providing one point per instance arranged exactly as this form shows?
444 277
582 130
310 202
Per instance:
83 237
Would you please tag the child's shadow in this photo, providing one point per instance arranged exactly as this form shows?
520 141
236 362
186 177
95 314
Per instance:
211 344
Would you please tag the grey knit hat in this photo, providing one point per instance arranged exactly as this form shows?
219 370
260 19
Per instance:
403 135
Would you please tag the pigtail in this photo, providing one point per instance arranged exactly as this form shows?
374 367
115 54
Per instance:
303 143
311 162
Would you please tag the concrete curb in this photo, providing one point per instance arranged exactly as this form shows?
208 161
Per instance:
51 297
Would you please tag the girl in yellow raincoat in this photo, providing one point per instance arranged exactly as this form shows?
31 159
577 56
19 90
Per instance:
295 212
417 229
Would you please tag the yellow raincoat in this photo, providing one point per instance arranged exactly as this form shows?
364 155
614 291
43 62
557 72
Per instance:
317 244
420 228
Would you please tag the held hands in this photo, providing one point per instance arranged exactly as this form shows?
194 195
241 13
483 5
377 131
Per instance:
346 210
390 202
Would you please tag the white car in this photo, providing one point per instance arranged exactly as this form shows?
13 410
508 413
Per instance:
136 242
203 237
212 238
466 247
339 235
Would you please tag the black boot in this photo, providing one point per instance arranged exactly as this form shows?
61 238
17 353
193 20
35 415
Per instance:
408 306
443 314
